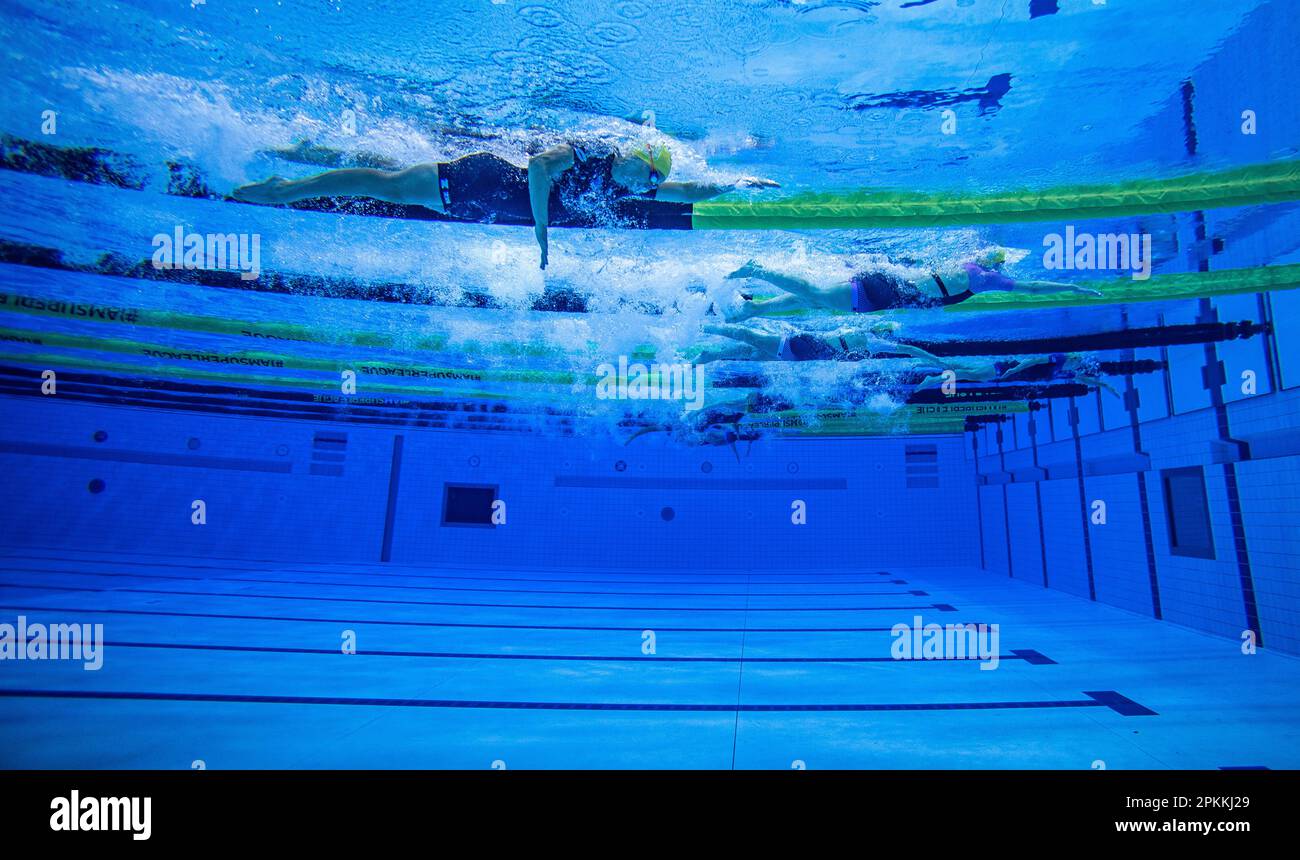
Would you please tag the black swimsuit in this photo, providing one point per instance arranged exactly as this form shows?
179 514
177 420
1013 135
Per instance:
883 291
811 347
487 189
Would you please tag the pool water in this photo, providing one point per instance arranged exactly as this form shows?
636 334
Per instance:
373 507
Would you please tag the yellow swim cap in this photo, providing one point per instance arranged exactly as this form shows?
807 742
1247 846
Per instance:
658 158
997 256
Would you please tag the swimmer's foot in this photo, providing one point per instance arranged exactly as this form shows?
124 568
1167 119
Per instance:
273 190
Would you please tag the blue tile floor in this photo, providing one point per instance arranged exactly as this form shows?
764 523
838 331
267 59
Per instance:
240 664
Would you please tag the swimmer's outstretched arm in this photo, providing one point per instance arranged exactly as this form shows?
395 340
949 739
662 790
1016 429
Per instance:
694 192
749 309
879 345
543 169
1025 286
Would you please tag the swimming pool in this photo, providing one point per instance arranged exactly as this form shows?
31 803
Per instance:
353 483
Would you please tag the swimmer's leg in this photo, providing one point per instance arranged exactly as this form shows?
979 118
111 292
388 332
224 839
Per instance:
983 371
837 297
767 344
934 380
1023 365
414 186
305 152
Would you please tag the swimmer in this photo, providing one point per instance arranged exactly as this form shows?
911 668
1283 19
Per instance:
884 289
582 177
845 344
716 426
1059 367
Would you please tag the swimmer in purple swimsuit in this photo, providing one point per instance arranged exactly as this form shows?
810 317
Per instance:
888 289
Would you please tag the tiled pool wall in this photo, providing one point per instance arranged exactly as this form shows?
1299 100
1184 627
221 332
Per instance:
1228 411
125 480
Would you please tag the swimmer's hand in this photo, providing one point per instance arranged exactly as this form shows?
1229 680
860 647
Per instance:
542 243
749 270
756 182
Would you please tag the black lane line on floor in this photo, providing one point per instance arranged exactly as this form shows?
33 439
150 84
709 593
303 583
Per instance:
453 624
387 573
1030 656
390 513
1132 405
290 597
380 585
1100 699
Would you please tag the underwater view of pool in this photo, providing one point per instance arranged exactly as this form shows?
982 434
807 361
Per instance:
689 384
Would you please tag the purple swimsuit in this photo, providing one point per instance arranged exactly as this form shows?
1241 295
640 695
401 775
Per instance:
984 280
881 291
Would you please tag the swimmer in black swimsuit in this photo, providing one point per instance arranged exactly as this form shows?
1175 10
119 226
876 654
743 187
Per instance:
886 289
485 188
845 344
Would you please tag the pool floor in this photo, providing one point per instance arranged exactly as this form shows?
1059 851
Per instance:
238 664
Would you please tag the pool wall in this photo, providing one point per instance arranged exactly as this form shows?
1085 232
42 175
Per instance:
1221 416
122 479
